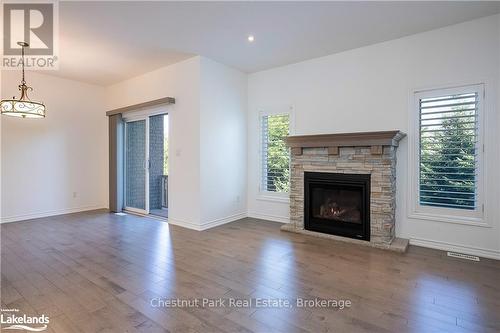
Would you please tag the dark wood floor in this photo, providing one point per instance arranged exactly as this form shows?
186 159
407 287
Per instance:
97 272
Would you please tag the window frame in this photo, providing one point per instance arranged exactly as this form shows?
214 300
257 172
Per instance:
446 214
282 197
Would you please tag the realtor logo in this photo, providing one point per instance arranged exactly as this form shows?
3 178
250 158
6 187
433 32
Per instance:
33 23
12 319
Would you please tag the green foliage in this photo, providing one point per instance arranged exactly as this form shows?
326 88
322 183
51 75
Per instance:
278 156
447 162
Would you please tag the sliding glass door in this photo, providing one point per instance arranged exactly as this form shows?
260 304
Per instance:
136 168
146 165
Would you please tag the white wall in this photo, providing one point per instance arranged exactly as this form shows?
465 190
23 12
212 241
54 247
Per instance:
207 175
181 81
223 142
46 161
369 89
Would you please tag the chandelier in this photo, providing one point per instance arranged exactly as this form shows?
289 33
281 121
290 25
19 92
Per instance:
22 107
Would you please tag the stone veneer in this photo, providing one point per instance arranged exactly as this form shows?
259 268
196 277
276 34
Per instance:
351 160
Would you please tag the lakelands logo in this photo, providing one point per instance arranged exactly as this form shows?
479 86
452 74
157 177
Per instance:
36 24
11 319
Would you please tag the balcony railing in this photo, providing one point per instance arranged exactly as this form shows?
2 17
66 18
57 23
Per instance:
164 191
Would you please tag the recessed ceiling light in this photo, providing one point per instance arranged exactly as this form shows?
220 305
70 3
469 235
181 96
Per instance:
251 38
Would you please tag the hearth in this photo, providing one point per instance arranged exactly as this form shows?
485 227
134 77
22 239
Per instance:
337 204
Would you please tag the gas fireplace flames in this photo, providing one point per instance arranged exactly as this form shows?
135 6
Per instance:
337 204
332 210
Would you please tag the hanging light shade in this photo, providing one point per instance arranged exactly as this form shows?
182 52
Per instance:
22 107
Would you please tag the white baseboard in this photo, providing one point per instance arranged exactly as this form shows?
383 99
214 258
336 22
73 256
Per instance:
183 223
38 215
480 252
221 221
208 224
269 217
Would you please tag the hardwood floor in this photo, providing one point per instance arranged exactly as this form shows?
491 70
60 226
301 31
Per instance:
98 272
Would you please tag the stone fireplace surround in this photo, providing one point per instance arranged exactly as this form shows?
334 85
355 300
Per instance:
371 153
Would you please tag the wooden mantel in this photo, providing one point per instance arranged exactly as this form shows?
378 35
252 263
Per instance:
375 140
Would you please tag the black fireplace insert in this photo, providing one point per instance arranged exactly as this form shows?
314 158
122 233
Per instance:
337 204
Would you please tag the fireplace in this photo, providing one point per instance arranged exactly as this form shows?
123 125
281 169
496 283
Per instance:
337 204
356 171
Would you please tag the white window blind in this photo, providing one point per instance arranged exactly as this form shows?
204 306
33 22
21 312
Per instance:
449 150
275 153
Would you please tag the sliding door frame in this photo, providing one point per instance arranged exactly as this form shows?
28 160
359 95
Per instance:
144 211
131 116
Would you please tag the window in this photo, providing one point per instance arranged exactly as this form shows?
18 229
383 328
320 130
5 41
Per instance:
275 153
450 151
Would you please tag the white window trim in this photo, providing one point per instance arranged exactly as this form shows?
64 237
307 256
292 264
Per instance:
441 214
280 197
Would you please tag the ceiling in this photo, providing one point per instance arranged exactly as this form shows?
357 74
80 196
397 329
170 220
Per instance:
107 42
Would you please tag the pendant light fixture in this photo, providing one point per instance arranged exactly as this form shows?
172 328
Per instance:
22 107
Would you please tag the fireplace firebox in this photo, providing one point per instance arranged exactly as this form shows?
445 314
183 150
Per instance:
337 204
